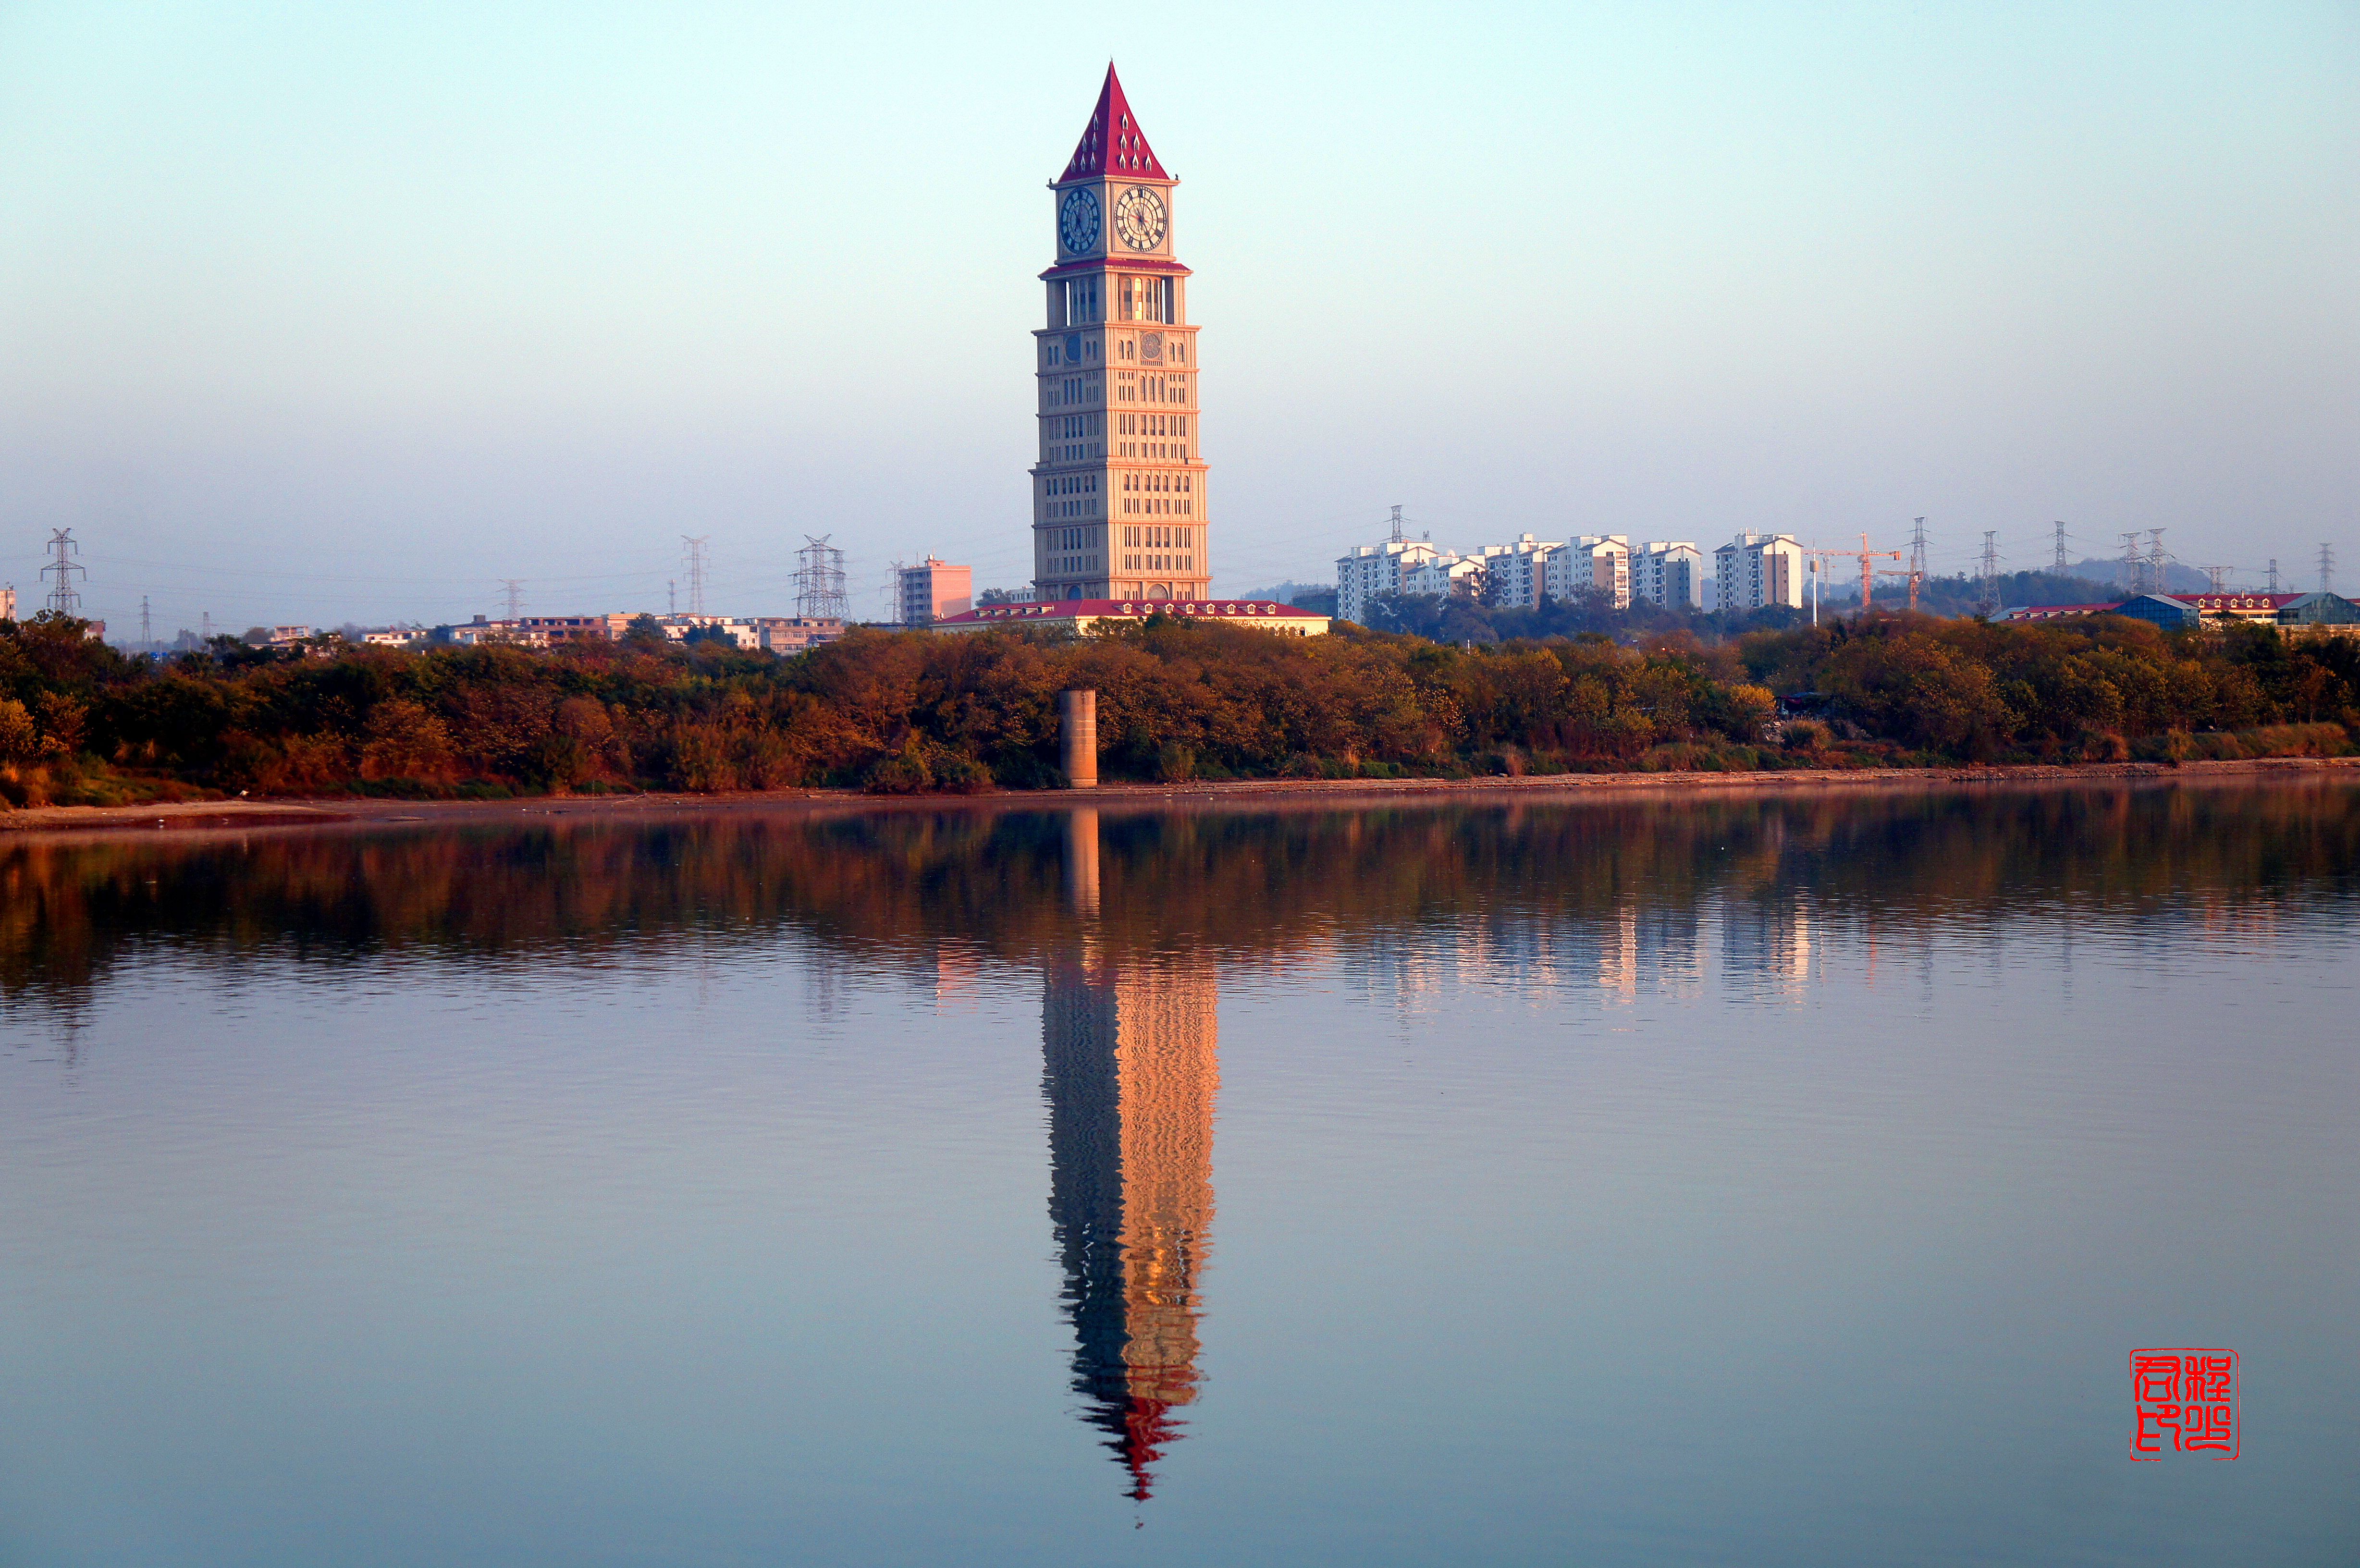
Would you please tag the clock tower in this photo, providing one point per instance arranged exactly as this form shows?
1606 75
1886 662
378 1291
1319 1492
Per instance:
1119 493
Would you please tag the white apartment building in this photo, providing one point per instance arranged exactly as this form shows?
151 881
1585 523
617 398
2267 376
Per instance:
1754 570
1370 570
1668 573
1517 575
1599 563
1441 576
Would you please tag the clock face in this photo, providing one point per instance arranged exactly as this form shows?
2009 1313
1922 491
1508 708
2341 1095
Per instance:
1077 221
1139 218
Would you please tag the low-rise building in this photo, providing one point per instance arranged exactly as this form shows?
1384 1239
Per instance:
8 602
2229 609
1086 615
2319 610
554 629
2164 610
481 632
744 634
786 634
2058 612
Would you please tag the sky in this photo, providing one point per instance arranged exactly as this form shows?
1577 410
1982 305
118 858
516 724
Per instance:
316 314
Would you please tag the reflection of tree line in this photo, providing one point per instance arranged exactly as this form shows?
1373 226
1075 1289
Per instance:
1225 883
1129 916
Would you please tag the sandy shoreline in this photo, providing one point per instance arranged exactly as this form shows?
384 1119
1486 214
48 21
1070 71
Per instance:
251 815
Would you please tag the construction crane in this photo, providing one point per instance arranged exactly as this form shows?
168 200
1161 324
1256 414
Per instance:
1906 574
1867 559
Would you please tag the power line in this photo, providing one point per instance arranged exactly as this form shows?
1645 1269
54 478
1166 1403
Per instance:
696 554
2274 574
110 559
2058 566
512 590
2327 569
1990 597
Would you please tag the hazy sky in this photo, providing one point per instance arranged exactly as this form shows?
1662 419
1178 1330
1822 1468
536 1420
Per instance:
314 312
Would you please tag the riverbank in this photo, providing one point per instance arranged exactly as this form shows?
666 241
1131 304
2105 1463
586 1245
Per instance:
274 813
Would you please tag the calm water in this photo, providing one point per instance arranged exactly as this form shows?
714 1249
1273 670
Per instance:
1712 1181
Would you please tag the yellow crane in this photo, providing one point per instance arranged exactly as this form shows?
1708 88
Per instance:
1867 559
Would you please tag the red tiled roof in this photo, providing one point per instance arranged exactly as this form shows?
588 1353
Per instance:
1070 609
1114 143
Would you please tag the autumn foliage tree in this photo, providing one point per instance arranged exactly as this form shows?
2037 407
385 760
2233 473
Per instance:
918 712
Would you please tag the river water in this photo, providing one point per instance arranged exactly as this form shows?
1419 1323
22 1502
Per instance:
1764 1180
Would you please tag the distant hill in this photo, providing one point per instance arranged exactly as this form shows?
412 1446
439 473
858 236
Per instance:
1958 595
1315 596
2176 578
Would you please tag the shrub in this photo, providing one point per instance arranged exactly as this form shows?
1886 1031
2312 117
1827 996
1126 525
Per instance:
1807 734
900 772
20 738
2104 746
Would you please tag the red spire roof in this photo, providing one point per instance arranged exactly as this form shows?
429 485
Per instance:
1113 144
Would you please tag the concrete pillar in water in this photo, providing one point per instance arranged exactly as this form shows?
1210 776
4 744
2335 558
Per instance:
1079 712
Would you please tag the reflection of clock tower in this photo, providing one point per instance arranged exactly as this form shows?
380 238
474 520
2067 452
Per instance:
1119 493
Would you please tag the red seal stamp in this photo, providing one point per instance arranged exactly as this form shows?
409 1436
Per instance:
2188 1394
